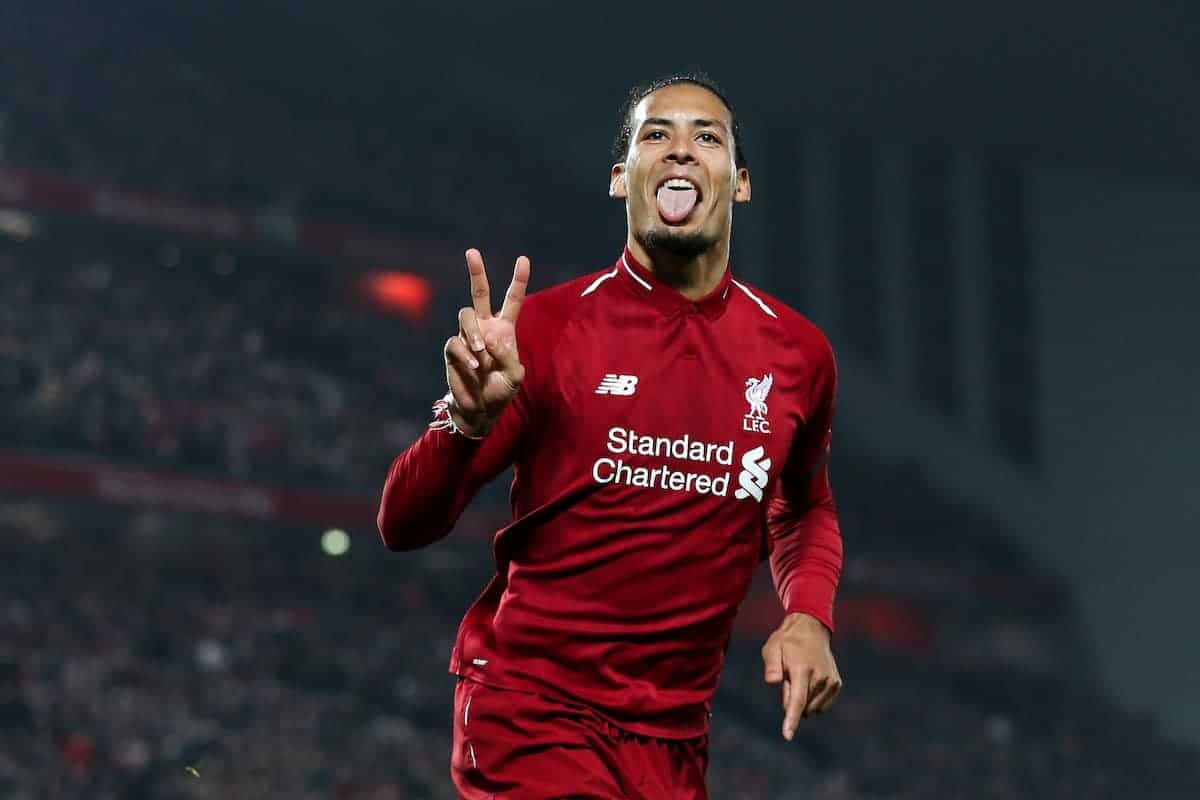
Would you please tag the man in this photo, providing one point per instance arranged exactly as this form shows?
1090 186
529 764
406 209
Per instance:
669 428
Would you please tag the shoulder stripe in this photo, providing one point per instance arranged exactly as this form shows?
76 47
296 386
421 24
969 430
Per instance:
755 298
635 276
596 283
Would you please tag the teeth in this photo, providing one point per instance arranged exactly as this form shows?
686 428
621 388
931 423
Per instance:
680 183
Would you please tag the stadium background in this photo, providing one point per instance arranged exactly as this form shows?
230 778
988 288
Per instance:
230 245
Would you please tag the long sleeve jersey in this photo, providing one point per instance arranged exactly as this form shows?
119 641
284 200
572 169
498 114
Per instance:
661 447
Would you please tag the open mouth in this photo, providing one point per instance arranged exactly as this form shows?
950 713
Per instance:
677 198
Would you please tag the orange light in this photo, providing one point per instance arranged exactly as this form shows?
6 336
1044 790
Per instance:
401 292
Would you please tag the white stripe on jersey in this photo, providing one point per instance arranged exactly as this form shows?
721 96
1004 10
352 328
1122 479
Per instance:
755 298
596 283
635 276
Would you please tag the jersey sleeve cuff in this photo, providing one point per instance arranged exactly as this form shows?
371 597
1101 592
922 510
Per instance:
822 613
444 421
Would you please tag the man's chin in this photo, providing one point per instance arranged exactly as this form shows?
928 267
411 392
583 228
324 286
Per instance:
677 242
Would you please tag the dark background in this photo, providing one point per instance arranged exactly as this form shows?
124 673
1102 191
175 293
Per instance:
993 212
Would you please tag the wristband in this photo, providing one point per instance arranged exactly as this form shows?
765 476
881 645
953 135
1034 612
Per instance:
444 421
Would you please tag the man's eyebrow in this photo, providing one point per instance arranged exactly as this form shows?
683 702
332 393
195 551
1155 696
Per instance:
698 122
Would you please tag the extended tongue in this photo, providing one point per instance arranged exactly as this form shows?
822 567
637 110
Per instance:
675 204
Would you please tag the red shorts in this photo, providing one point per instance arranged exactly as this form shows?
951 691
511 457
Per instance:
512 745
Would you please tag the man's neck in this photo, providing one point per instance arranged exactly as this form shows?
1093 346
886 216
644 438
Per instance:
691 277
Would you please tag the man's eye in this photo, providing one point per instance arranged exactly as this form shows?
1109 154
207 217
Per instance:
708 137
655 135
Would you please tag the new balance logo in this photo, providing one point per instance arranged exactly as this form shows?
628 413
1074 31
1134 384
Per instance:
617 384
753 477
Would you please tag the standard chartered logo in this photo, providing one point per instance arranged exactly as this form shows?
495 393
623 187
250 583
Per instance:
753 477
625 442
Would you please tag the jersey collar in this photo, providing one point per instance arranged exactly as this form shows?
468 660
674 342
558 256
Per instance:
642 281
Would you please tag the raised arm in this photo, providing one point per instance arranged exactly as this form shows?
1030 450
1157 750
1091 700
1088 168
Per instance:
478 426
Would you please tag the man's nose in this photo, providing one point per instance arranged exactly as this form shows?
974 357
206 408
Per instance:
681 152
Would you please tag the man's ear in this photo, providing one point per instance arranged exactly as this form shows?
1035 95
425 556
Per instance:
741 186
616 182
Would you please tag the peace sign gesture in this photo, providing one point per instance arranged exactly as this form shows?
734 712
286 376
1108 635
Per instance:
483 368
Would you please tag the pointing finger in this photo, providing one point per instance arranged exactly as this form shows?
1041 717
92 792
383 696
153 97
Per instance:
797 701
516 290
481 294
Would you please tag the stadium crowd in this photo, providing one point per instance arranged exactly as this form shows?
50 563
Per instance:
173 656
165 642
216 365
145 653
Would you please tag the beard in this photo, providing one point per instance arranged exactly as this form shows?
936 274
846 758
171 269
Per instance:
681 246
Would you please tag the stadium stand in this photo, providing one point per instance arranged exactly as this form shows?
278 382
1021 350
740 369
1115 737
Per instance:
150 652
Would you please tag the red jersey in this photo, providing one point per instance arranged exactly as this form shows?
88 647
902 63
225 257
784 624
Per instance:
662 447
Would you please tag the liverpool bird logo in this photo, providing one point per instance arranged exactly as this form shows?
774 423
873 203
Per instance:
756 395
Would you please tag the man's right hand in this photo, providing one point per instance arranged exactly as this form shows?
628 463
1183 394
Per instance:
483 368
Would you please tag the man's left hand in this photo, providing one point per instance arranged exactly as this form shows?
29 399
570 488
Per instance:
798 656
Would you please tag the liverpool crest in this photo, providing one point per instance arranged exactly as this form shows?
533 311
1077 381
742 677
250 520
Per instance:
756 395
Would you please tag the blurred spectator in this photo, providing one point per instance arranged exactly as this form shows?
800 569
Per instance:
151 654
201 658
252 373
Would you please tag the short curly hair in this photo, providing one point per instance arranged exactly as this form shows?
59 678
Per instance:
620 147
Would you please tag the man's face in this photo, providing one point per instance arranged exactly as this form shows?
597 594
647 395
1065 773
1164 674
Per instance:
679 179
